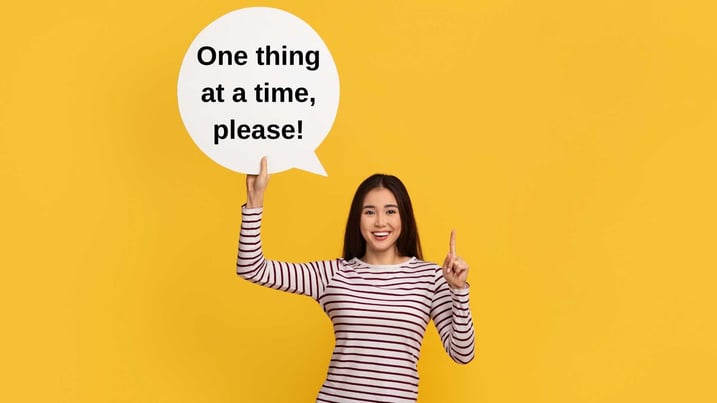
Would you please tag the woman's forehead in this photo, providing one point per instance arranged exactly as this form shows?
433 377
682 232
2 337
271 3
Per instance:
379 197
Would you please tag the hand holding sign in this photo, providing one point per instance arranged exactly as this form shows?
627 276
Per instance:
455 269
256 186
259 82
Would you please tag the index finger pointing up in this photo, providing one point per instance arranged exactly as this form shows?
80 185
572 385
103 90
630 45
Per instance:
453 242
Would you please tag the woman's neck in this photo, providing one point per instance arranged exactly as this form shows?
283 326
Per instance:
388 257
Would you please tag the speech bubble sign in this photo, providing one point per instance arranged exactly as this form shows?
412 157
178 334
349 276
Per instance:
256 82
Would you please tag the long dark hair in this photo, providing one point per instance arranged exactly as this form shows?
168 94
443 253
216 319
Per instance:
408 243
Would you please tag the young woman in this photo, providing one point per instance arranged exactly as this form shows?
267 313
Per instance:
380 296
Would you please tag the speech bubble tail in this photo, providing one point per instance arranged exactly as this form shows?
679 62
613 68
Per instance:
311 164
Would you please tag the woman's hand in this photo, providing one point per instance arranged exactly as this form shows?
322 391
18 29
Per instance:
455 269
256 186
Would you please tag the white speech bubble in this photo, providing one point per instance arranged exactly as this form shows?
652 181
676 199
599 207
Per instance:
290 90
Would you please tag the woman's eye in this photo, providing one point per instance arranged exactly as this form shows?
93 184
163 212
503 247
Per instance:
391 212
368 212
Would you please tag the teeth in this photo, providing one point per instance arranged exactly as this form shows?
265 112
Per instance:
381 233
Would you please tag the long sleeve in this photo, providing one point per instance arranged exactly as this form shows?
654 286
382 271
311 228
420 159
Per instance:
451 313
299 278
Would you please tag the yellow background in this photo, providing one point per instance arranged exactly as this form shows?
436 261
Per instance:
571 143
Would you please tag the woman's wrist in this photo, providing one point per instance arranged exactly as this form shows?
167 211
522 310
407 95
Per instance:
254 200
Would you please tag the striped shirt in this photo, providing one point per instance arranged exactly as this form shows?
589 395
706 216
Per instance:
379 314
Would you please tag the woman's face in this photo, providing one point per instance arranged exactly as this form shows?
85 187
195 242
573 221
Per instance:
380 221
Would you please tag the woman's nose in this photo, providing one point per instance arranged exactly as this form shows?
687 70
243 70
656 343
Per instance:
380 220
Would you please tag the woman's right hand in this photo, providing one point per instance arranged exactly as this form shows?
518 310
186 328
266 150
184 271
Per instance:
256 186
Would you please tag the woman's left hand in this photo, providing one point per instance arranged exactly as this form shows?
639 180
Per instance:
455 269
